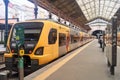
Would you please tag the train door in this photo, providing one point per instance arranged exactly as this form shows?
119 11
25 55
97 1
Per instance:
62 43
53 43
63 40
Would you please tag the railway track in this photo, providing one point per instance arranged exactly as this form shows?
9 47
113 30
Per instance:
14 75
3 71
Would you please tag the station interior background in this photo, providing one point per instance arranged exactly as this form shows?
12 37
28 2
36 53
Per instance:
24 10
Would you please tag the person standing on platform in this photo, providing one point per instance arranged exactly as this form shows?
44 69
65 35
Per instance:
100 42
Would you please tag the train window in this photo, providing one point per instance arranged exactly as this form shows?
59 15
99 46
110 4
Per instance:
13 35
52 36
74 39
32 30
32 35
62 39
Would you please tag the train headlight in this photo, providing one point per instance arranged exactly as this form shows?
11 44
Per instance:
39 51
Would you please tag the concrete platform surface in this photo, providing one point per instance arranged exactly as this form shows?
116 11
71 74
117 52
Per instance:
85 63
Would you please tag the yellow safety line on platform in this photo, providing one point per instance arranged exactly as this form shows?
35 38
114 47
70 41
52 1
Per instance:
51 70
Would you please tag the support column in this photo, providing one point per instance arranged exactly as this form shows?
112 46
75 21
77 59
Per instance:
35 9
6 22
50 15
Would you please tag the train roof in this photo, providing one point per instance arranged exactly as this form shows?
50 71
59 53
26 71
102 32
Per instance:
47 19
51 20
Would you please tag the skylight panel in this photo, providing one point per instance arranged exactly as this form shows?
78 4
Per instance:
85 1
105 9
83 8
91 0
100 13
99 8
97 13
107 14
117 6
87 6
116 0
93 15
107 3
112 4
102 2
89 11
93 9
109 9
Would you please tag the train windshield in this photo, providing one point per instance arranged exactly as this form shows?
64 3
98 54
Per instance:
32 30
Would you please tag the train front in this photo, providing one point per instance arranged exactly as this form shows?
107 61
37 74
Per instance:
32 32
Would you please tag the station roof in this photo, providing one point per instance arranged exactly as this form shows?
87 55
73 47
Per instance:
99 8
81 11
71 9
66 9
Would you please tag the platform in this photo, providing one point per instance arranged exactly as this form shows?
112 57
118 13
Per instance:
85 63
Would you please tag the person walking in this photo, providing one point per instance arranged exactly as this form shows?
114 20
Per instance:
100 42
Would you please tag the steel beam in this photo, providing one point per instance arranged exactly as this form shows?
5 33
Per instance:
51 8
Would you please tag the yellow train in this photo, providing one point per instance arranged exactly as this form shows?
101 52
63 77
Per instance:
108 38
45 40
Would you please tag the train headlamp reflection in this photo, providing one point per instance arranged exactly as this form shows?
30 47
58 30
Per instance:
12 51
39 51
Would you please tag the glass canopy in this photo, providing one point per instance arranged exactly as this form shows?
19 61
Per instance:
99 8
98 22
